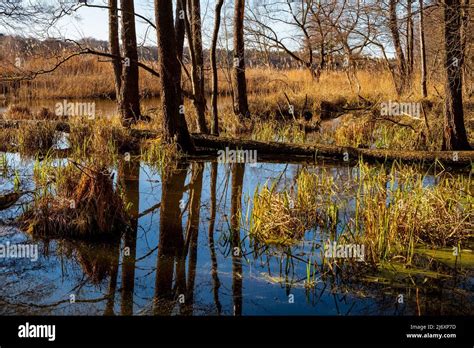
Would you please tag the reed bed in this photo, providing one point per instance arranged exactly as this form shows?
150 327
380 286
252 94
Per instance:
390 210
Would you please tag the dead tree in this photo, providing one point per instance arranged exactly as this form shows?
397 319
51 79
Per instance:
174 123
305 17
455 137
215 81
241 106
130 92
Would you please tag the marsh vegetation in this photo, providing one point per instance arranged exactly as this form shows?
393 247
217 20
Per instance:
362 190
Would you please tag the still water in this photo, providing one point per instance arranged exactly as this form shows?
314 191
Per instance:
189 253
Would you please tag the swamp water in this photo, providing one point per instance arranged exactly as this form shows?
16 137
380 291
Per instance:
187 254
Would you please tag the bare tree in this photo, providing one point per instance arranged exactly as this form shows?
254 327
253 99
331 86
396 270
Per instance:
400 56
307 33
130 92
18 14
424 90
410 39
215 81
180 28
114 46
241 106
455 137
194 32
174 122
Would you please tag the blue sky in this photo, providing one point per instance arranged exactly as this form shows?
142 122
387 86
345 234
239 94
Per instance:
92 22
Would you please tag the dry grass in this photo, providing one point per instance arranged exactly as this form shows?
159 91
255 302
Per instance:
17 112
390 211
81 204
34 137
283 217
396 209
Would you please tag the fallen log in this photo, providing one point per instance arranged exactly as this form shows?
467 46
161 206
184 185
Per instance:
342 153
209 145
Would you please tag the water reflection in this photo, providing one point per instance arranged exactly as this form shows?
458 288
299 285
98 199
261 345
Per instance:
238 171
128 179
171 249
187 252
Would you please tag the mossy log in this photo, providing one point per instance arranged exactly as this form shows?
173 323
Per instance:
344 153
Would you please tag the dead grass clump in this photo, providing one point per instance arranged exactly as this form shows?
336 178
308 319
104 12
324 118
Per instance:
355 132
283 217
274 219
37 136
45 114
17 112
112 138
7 139
89 209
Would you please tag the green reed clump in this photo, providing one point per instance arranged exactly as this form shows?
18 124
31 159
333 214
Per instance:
398 208
390 210
160 155
283 217
101 138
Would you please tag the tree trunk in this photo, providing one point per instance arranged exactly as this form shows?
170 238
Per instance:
212 220
171 243
192 232
238 171
215 81
465 37
198 65
424 90
241 107
410 41
180 29
174 122
130 93
394 30
455 137
128 178
114 46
